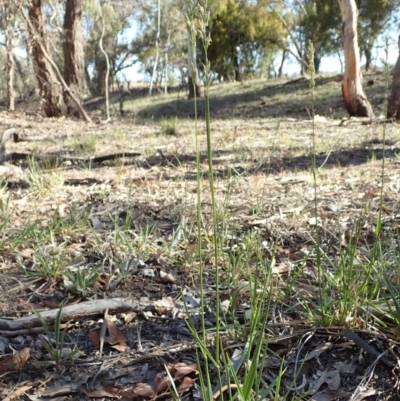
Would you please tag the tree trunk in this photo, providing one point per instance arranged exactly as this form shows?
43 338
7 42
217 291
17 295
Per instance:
194 87
105 54
236 66
280 71
355 100
317 58
167 47
8 33
74 64
100 65
393 110
50 88
10 72
368 57
153 75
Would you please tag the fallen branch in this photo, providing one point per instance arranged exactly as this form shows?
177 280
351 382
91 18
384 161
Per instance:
73 312
53 159
16 136
57 159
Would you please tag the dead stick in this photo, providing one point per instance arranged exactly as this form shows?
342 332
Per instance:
73 312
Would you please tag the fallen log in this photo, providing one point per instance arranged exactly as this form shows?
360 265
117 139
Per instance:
56 159
73 312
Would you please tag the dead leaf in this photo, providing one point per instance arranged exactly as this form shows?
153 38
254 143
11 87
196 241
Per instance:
282 267
119 347
166 278
161 382
179 370
329 395
164 305
94 337
144 390
17 393
109 391
30 306
128 317
15 362
320 348
346 367
115 336
333 379
25 253
186 384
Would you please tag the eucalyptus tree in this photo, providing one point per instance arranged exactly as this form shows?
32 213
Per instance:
74 59
117 20
170 38
375 17
8 22
355 99
243 35
394 97
320 22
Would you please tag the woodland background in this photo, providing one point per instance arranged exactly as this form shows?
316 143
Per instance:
92 44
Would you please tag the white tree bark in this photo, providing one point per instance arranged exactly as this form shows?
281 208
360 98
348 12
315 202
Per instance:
8 33
166 62
153 76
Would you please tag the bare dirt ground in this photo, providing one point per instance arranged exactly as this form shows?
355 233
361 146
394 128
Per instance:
133 221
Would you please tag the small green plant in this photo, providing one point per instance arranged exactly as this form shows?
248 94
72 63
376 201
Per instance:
127 266
84 145
48 265
81 281
40 181
169 127
55 343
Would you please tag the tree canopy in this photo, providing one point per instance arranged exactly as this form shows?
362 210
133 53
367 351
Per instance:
248 37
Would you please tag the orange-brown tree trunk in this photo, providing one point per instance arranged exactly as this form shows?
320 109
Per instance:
74 63
393 110
50 88
355 100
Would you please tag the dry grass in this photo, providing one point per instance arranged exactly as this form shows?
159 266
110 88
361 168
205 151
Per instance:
120 218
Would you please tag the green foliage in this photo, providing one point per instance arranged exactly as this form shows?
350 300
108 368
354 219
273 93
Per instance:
57 353
243 35
169 127
48 264
374 17
117 18
82 281
320 22
172 40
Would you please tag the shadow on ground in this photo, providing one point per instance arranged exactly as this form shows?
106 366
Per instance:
252 100
224 168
